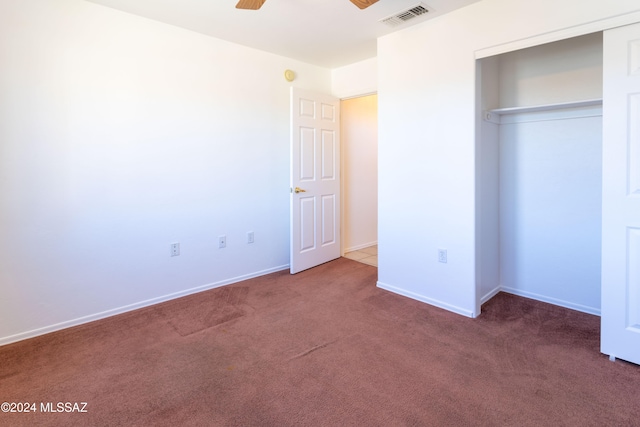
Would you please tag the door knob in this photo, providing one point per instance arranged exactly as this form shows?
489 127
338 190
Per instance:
299 190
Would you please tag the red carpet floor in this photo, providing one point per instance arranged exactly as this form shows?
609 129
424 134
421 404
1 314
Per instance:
323 348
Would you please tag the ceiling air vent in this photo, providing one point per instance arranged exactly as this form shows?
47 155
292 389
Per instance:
406 15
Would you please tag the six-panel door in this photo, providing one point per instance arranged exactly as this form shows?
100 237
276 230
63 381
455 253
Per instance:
315 179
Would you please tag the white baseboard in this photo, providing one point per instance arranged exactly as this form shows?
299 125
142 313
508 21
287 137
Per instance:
427 300
108 313
492 293
358 247
554 301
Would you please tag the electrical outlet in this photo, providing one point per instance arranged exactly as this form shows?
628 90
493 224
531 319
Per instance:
250 237
175 249
442 255
222 242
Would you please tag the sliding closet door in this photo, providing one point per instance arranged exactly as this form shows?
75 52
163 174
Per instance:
621 195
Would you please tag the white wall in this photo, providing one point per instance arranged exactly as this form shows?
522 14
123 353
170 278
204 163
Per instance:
359 137
427 128
550 210
119 136
359 78
567 70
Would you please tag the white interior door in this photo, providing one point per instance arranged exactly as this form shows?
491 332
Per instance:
621 194
315 179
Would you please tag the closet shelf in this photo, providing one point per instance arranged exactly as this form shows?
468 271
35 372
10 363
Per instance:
547 107
573 109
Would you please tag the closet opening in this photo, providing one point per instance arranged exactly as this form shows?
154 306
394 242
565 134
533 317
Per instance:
539 173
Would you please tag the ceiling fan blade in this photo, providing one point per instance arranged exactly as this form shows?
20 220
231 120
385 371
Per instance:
251 4
363 4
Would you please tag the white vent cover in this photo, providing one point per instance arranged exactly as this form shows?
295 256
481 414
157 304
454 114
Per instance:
405 15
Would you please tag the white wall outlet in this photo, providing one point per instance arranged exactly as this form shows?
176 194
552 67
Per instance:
442 255
175 249
222 242
250 237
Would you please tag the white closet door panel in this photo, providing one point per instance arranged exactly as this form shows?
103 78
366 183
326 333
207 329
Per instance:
621 195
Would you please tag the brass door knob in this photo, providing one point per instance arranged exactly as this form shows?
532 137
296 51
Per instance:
299 190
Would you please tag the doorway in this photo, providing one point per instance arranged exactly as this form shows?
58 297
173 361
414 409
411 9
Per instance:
359 137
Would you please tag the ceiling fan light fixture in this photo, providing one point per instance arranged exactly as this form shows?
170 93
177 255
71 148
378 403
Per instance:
250 4
257 4
363 4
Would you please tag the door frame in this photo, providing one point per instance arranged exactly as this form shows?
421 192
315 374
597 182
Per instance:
343 166
596 26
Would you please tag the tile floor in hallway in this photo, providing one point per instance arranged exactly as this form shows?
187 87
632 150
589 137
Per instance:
368 255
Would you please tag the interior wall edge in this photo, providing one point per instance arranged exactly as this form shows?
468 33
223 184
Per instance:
492 293
357 95
425 299
135 306
566 304
553 36
362 246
